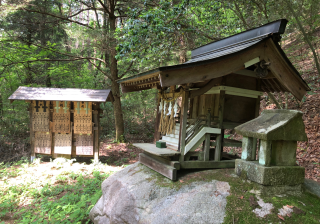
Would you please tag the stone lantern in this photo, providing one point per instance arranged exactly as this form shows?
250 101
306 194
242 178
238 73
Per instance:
278 132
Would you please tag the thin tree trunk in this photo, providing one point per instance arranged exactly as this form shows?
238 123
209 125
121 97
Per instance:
273 98
304 35
118 116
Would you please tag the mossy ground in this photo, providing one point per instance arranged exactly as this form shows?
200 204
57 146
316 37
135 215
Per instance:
238 208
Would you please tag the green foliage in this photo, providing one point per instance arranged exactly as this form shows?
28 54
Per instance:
67 200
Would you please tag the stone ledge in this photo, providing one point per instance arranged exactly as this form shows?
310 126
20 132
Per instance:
312 186
281 190
271 176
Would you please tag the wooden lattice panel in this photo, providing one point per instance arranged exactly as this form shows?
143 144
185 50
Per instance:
61 116
82 117
62 143
42 142
40 115
84 144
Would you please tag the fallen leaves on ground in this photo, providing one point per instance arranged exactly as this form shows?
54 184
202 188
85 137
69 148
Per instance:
280 217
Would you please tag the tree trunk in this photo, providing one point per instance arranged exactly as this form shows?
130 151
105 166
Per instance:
304 35
274 99
118 116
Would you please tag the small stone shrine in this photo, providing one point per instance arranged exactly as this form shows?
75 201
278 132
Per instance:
63 122
275 169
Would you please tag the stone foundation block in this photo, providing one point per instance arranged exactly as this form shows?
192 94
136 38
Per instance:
270 176
281 189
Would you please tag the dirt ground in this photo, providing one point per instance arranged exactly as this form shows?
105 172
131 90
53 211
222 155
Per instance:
117 154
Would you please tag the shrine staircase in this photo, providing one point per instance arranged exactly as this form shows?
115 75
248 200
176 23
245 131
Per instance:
172 140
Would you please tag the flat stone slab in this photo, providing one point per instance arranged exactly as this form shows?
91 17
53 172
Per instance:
137 194
152 149
312 186
274 175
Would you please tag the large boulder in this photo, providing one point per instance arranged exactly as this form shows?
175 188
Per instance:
137 194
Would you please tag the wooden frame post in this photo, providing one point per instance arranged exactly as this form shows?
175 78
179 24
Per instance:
207 141
156 135
33 154
219 139
183 124
96 129
257 110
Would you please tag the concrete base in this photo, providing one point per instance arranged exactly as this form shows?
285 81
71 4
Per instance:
274 179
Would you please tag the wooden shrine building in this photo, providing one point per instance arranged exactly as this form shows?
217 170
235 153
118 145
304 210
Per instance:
63 121
220 88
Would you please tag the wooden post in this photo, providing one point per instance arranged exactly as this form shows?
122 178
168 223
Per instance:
156 135
95 114
219 139
257 110
254 142
207 141
33 154
53 155
73 142
183 122
259 145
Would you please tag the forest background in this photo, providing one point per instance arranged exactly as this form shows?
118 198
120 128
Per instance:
93 43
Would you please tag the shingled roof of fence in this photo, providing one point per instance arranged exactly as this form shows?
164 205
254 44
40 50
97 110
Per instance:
61 94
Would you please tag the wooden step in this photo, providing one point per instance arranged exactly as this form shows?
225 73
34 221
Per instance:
171 145
170 139
152 149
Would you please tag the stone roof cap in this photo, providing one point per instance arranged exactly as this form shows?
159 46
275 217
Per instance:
275 125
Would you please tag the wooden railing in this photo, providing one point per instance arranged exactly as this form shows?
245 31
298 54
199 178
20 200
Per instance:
194 127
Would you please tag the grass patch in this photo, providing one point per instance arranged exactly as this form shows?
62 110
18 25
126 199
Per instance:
50 193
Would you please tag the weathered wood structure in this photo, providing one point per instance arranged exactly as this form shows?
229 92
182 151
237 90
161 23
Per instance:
219 88
63 122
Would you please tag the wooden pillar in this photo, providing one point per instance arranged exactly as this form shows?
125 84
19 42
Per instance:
53 155
74 140
257 110
156 135
259 145
254 142
96 129
33 154
183 123
219 139
207 141
265 152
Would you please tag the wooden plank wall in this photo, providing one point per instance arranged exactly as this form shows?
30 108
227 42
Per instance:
202 103
95 131
237 109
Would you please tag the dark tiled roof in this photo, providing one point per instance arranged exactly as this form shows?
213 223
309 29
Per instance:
237 42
